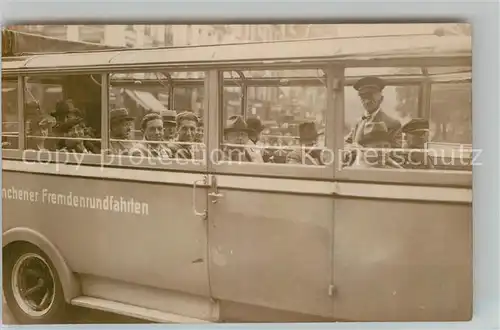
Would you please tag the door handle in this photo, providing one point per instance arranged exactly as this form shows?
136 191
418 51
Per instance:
215 194
195 211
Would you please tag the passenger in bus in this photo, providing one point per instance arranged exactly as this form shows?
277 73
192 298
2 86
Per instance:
184 145
199 132
32 113
40 131
375 129
152 131
254 146
120 125
88 132
61 115
370 92
416 133
169 124
73 129
308 153
236 140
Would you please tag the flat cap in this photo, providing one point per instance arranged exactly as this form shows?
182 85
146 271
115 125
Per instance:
119 114
369 83
186 115
416 125
149 117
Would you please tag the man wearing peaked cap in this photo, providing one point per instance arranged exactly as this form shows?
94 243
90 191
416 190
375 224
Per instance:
169 123
416 135
370 93
416 125
369 83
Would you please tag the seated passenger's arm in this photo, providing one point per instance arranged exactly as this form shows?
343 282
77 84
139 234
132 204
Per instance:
138 150
294 157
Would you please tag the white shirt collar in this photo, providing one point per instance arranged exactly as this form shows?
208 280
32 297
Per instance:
373 114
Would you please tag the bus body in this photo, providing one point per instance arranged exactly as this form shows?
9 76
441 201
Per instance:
209 241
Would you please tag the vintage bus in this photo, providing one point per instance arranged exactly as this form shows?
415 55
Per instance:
210 240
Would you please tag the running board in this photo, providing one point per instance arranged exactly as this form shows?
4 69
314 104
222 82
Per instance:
132 311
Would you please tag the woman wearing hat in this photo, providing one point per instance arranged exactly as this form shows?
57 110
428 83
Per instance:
75 130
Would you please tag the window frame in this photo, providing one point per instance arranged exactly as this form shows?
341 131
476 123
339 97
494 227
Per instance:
437 83
263 170
17 152
101 159
212 123
399 176
31 156
183 165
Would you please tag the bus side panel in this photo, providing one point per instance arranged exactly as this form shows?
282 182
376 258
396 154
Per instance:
402 261
163 246
272 251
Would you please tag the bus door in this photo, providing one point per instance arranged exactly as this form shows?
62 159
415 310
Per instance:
269 236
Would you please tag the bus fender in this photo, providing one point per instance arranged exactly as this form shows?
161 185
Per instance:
69 282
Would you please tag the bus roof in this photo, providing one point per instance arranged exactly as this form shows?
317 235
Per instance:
21 44
359 51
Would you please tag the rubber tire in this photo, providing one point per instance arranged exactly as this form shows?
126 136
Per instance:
57 313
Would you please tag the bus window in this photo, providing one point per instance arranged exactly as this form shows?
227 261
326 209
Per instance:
163 108
232 95
62 113
10 131
387 127
451 111
450 131
278 116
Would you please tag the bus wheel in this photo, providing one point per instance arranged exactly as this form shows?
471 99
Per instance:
31 286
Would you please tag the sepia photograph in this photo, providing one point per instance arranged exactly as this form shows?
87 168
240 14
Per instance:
237 173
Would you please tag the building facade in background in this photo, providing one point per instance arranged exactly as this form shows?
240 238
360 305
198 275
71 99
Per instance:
178 35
